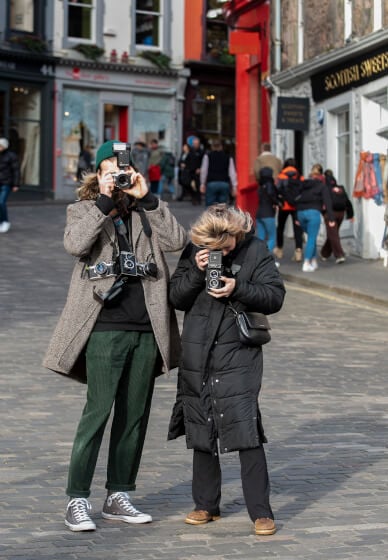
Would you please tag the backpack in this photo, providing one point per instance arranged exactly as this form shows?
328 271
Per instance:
338 197
290 189
267 185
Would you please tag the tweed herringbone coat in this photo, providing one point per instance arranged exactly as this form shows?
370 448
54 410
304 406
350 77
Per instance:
90 236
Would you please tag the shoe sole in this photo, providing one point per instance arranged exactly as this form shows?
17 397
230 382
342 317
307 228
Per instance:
126 519
265 533
79 528
195 522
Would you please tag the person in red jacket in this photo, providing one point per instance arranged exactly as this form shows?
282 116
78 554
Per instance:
287 209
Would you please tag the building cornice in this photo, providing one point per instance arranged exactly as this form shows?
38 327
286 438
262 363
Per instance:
117 67
292 76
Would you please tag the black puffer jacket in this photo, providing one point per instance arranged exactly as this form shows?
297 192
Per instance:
219 378
9 169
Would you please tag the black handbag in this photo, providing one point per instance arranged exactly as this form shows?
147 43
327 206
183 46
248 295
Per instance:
253 327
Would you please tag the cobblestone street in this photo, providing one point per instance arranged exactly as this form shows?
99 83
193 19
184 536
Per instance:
325 410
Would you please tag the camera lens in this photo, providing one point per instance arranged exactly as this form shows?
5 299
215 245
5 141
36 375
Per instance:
213 273
213 283
123 180
101 268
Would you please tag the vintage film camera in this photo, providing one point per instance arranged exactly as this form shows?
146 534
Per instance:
214 271
130 267
123 153
101 270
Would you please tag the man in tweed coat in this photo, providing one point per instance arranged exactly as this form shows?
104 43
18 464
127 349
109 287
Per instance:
117 344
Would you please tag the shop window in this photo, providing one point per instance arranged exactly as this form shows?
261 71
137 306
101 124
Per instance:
24 130
213 113
149 23
152 119
79 129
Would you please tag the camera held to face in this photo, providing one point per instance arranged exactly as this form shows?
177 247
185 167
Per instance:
101 270
214 271
130 267
122 151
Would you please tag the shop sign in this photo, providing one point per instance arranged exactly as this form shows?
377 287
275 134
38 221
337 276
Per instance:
293 113
355 72
27 68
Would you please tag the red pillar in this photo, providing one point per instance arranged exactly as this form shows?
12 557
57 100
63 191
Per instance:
247 130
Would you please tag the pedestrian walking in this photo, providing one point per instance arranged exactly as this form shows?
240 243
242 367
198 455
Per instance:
193 164
117 330
342 207
268 203
140 156
218 175
167 168
313 199
285 181
184 175
219 378
267 159
9 181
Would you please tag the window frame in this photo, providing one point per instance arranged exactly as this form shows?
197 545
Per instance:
96 25
165 23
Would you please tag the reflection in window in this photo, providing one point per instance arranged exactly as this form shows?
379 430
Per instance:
213 113
24 130
216 31
79 128
22 15
80 19
148 23
152 119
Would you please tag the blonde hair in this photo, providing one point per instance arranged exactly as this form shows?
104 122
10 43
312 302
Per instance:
316 169
214 227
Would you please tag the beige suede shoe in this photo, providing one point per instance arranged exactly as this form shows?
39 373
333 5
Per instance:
199 517
265 526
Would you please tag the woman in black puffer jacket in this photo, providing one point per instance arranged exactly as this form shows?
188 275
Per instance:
219 378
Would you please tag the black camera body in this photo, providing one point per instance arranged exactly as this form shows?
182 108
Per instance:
130 267
122 151
214 271
101 270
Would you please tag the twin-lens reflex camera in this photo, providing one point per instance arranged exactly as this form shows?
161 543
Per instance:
214 271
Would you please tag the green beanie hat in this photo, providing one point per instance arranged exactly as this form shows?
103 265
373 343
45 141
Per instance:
105 151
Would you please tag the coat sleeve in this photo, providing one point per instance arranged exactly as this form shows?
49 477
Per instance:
84 222
187 281
171 234
264 291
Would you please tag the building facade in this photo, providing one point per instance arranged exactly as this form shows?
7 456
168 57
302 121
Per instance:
104 70
330 101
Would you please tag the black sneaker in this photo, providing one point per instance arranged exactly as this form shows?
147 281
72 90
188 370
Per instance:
118 506
77 515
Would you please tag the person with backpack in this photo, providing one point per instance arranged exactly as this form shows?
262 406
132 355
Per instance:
312 200
342 207
287 181
268 204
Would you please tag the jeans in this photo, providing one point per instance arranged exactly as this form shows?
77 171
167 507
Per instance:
170 185
254 477
266 230
4 194
120 371
217 191
310 220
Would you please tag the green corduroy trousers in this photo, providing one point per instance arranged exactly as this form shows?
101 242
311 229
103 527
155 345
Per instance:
120 372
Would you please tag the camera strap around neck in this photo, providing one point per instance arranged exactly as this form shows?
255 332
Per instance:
126 237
